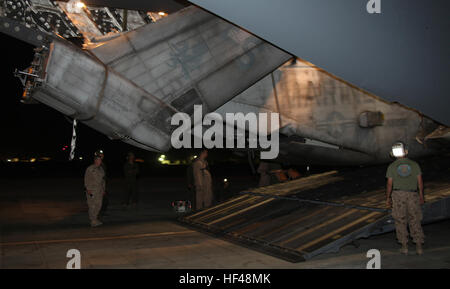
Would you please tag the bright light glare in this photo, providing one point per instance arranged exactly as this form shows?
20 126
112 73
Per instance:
162 13
225 180
80 5
398 152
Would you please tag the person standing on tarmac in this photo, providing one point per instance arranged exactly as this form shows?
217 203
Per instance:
105 201
202 181
404 177
94 182
131 170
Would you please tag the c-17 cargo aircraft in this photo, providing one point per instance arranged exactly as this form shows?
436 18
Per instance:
125 73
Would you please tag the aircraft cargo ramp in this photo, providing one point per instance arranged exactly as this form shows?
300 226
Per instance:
321 213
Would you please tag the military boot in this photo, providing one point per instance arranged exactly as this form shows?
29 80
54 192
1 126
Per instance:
404 249
96 224
419 249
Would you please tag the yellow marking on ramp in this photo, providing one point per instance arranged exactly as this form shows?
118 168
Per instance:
295 221
337 231
241 211
319 226
250 200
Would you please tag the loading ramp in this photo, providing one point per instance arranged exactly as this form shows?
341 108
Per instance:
300 219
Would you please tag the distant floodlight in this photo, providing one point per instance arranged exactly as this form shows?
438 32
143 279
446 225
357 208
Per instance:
162 13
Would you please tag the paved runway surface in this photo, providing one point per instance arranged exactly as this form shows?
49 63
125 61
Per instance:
41 219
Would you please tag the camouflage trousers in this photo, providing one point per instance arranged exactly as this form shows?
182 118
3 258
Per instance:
406 210
94 204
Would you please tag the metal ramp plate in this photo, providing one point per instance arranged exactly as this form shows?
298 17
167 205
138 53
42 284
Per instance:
309 216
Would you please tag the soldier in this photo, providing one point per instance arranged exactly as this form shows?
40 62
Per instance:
131 170
105 201
94 182
403 178
202 181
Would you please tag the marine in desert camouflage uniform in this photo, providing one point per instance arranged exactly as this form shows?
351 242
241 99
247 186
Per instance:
405 184
94 182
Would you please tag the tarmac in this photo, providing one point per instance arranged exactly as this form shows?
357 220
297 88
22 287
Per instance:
41 219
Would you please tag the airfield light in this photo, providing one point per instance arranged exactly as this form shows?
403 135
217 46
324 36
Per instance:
32 160
162 160
225 180
9 160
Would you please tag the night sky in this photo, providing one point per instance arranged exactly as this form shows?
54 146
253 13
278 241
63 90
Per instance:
22 125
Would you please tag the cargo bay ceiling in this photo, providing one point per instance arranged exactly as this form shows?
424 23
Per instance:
399 55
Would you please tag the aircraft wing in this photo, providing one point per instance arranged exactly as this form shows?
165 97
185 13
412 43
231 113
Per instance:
191 57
